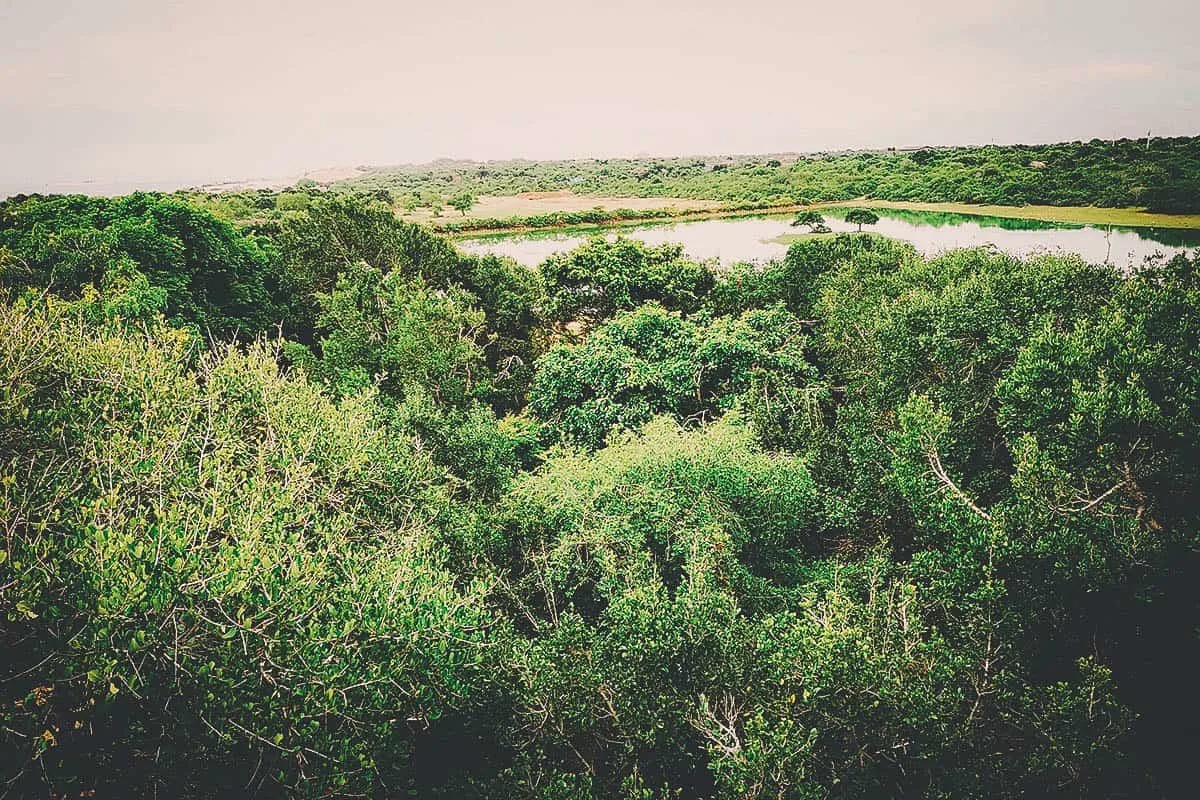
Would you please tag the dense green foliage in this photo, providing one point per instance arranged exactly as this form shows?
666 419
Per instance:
206 273
811 219
861 216
1164 176
650 361
320 507
594 281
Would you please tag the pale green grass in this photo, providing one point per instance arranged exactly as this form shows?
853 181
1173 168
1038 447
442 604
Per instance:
789 238
1079 215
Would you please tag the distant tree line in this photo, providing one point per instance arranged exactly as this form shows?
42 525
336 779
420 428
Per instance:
1164 177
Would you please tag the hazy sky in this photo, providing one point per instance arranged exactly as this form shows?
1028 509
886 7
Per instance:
157 90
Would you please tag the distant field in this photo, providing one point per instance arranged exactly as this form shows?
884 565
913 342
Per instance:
528 204
1081 215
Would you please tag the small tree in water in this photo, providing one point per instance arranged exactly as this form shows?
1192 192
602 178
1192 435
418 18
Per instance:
814 221
861 216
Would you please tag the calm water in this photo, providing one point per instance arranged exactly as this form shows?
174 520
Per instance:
751 238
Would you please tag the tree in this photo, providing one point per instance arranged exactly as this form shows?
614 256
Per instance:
812 219
338 233
214 276
463 202
599 278
397 333
861 216
651 361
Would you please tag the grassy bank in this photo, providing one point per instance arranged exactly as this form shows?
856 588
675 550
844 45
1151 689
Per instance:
1078 215
605 218
531 204
598 217
792 238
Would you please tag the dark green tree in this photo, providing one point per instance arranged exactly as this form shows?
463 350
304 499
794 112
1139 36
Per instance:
812 219
221 280
601 277
861 216
651 361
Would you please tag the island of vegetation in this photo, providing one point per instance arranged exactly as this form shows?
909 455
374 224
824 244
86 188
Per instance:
297 500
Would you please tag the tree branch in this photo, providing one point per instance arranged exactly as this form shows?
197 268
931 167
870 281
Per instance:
935 463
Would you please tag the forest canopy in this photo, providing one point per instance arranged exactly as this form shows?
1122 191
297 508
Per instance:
315 505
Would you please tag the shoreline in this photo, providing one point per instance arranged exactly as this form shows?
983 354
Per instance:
699 215
1066 215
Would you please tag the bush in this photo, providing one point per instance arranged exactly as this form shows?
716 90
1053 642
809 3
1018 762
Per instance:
599 278
216 566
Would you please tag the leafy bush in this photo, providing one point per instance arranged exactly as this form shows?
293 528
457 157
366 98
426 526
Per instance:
652 361
599 278
214 277
203 563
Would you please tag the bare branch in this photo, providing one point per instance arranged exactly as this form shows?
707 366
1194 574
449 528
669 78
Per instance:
935 463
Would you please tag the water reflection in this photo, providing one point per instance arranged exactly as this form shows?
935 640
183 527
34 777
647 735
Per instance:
731 240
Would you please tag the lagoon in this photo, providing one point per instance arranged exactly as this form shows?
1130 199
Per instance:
761 238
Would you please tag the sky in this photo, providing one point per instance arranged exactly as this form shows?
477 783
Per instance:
161 92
